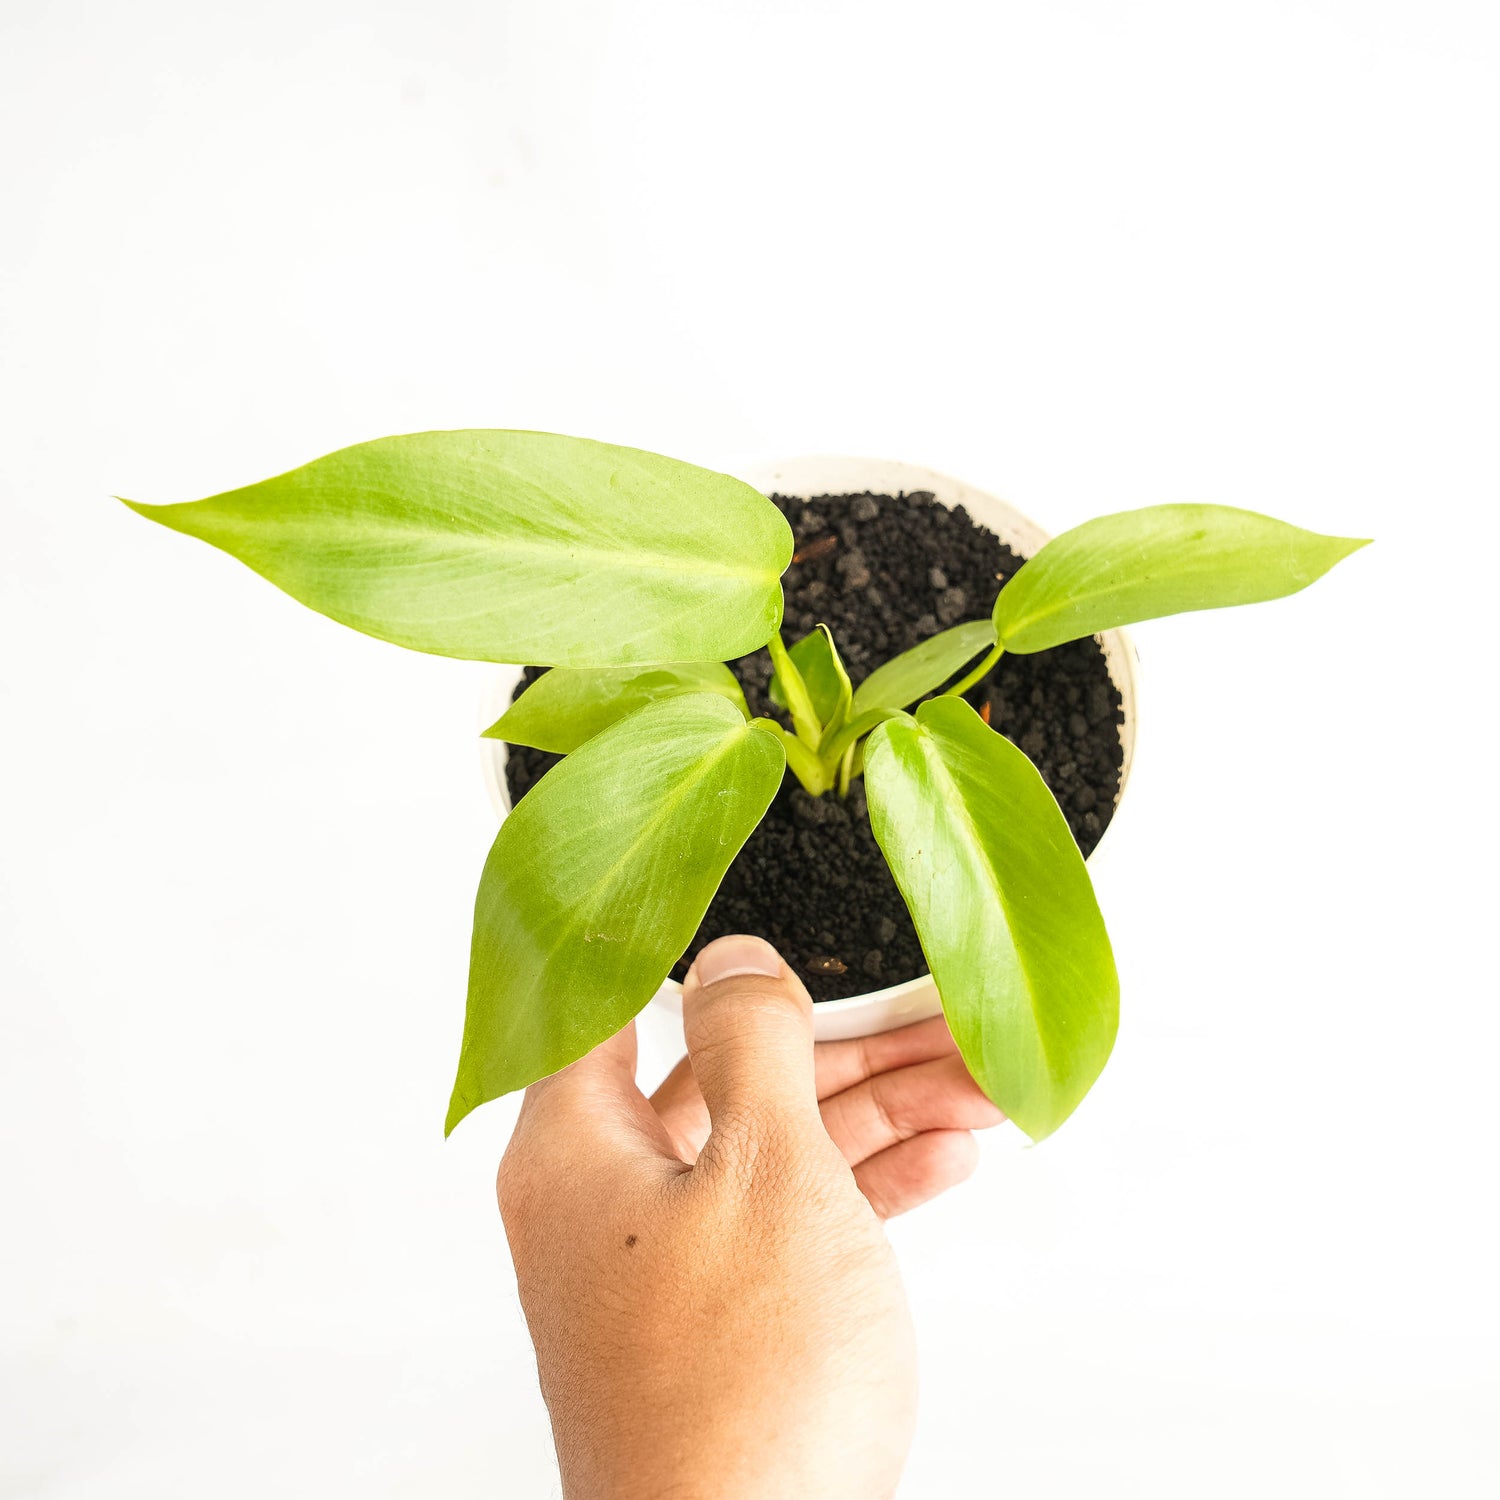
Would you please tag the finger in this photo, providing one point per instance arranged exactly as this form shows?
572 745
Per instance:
843 1064
893 1107
593 1108
838 1066
679 1105
747 1020
905 1176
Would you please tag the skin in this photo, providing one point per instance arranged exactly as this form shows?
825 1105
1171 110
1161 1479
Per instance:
716 1310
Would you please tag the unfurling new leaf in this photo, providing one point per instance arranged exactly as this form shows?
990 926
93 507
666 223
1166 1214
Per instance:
822 671
791 691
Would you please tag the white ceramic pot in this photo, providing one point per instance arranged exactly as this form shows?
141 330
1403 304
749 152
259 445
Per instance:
899 1004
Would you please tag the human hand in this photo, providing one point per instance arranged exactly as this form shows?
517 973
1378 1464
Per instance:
900 1106
715 1308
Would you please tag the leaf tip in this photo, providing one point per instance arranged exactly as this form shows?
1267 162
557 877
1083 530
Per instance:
163 515
458 1109
1337 549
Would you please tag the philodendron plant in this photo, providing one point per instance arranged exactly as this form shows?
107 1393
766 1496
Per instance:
635 578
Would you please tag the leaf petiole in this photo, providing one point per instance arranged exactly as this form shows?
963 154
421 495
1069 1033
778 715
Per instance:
968 680
814 774
855 729
846 768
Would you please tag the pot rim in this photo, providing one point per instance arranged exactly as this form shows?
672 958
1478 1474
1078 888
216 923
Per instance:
829 474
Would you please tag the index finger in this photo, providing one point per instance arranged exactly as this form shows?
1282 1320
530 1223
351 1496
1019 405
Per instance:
592 1110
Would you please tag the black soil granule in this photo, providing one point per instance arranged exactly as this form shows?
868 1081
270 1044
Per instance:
883 574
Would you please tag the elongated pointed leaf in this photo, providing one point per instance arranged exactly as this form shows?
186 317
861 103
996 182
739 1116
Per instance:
817 659
568 705
597 882
513 546
1162 560
928 665
1003 905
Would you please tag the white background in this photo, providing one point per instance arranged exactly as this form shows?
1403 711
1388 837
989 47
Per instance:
1088 256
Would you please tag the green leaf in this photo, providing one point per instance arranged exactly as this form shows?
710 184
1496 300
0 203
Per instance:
513 546
788 688
1003 905
822 670
928 665
597 882
568 705
1162 560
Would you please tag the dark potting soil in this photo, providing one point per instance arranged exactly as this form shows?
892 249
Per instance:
884 573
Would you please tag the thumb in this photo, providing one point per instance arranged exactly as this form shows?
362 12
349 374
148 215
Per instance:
747 1020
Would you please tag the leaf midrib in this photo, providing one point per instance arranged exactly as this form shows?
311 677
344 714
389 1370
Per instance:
476 542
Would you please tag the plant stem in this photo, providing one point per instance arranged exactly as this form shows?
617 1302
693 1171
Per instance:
968 680
846 768
856 729
816 778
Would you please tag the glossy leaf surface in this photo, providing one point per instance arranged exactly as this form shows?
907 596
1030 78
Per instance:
928 665
598 880
1003 905
568 705
1162 560
513 546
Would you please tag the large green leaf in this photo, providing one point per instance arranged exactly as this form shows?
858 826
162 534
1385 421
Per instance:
822 670
597 882
928 665
1162 560
513 546
1003 905
568 705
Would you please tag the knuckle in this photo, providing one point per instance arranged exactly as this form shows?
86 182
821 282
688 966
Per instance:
735 1143
762 1157
512 1184
885 1102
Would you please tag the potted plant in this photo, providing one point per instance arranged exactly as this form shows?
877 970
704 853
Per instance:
633 579
891 553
